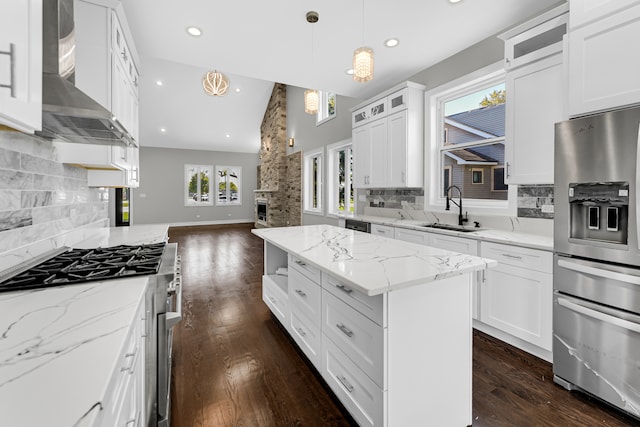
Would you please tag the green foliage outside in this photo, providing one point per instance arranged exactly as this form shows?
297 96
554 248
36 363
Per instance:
204 184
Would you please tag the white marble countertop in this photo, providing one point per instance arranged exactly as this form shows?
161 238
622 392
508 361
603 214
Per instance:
59 348
533 241
372 264
132 235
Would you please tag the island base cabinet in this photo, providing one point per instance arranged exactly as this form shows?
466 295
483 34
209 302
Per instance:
306 335
275 297
357 392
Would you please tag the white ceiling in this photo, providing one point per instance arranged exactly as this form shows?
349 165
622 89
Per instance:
256 43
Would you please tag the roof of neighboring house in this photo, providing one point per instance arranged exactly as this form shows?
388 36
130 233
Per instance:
486 119
468 156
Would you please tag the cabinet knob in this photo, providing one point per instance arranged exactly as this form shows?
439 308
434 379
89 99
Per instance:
11 53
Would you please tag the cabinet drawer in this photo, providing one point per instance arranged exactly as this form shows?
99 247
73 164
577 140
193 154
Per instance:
304 295
371 306
307 335
362 397
532 259
276 299
360 339
453 243
303 267
413 236
382 230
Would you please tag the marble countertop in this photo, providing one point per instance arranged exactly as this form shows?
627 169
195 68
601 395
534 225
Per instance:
372 264
59 346
533 241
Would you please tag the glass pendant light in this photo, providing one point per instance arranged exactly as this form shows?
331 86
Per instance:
311 97
363 59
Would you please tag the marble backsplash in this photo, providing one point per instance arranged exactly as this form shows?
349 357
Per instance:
534 201
41 198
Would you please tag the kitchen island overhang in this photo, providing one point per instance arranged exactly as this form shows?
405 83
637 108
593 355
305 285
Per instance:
387 323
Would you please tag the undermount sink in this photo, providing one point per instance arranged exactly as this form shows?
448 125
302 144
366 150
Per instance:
450 227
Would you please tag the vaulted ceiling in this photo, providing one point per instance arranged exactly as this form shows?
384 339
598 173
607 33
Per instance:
256 43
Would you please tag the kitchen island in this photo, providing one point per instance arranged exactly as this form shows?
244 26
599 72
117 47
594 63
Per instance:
66 351
386 323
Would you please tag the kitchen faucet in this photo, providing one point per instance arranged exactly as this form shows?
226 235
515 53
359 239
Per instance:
461 219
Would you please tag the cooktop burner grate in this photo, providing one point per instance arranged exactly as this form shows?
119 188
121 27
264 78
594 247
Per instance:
84 265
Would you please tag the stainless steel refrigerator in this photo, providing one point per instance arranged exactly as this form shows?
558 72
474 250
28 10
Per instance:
596 313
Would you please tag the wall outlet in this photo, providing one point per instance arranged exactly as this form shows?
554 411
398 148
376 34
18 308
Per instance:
143 195
547 208
362 198
197 216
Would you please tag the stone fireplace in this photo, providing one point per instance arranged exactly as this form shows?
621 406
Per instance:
278 199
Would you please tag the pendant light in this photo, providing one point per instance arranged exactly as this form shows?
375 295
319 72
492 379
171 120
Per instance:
311 97
363 59
215 83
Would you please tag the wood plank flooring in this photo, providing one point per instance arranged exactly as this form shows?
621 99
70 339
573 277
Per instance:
233 365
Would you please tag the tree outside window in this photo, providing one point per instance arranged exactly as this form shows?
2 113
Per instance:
197 188
340 178
228 179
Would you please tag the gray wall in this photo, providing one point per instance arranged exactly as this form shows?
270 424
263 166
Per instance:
308 136
160 197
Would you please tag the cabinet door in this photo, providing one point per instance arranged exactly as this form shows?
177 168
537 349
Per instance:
518 301
413 236
397 149
603 68
379 164
119 95
535 102
21 64
584 11
361 156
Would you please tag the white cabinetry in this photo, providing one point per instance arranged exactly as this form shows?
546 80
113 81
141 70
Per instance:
388 139
382 230
414 236
535 102
516 296
124 402
106 61
585 11
21 65
536 95
603 65
275 287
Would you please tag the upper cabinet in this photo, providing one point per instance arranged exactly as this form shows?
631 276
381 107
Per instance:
21 64
388 139
603 74
106 61
536 96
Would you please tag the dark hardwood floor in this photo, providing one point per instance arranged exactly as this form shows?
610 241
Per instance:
233 365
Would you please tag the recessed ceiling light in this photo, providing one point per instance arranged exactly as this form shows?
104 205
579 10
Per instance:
163 130
391 42
194 31
237 89
159 82
349 71
228 136
454 1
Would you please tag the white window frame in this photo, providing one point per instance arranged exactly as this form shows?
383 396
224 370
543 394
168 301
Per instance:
308 181
333 191
238 201
188 201
323 109
434 129
474 170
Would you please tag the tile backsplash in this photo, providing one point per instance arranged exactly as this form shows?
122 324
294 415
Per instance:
40 197
534 201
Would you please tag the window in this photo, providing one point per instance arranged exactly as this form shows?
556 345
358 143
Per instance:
340 175
327 107
313 182
466 128
197 191
228 185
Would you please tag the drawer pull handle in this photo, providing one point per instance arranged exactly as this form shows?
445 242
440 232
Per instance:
345 383
348 332
273 300
344 289
133 356
512 256
11 53
301 293
301 263
301 332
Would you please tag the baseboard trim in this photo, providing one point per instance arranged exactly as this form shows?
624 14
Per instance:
218 222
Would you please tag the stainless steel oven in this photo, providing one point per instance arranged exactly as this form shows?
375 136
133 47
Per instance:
596 311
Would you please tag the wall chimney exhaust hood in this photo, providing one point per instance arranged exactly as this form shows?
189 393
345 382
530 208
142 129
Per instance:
67 112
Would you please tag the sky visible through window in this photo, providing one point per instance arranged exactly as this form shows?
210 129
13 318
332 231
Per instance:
469 102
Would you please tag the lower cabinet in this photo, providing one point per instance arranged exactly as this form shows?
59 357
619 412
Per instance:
517 295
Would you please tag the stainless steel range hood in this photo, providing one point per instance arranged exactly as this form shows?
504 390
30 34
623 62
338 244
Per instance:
67 112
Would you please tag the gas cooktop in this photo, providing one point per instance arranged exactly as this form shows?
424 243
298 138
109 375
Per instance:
84 265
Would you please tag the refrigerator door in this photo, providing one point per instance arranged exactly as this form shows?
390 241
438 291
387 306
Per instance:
598 152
